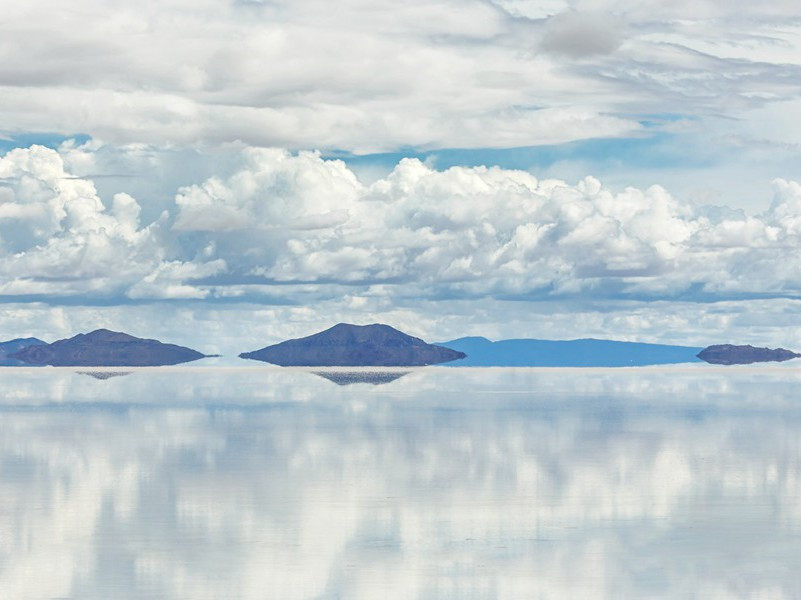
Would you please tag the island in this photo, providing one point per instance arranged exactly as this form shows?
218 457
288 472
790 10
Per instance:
12 346
346 345
729 354
104 348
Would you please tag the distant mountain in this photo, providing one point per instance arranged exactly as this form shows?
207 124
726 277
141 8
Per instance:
347 345
12 346
104 348
728 354
482 352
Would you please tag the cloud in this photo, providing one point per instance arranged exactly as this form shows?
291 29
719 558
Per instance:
481 231
318 477
713 87
296 76
577 35
57 238
425 75
303 235
273 189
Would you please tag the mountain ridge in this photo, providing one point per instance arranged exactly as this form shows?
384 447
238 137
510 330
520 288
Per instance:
12 346
581 352
350 345
106 348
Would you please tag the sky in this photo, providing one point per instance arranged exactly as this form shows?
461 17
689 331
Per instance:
229 173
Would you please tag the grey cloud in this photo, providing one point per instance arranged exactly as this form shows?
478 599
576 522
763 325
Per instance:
577 35
298 75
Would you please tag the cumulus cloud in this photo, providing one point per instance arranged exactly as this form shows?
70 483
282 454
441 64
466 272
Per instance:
58 238
484 231
305 235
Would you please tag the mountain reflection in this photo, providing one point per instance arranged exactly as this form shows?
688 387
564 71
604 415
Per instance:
351 377
103 375
497 485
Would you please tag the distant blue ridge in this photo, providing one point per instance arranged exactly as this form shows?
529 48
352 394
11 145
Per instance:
12 346
482 352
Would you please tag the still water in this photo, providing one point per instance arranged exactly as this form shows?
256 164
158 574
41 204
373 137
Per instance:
437 483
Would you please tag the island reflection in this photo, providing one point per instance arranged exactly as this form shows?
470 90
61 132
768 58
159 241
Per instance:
104 375
351 377
505 485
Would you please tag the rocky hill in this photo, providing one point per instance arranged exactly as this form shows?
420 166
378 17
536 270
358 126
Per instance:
104 348
12 346
355 346
729 354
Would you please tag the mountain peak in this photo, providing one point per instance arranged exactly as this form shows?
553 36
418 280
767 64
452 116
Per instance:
106 335
10 347
355 345
103 347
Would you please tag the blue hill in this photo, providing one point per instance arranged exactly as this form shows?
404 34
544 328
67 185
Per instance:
482 352
12 346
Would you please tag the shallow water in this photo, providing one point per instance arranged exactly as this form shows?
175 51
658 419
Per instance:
438 483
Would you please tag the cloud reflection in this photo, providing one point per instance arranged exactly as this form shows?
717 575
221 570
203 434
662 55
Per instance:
496 484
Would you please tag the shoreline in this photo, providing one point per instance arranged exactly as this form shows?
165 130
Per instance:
695 368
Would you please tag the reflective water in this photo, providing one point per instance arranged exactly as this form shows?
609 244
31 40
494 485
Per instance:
442 483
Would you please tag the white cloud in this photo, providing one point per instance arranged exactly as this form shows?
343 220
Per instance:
274 189
713 86
285 74
304 235
425 75
58 239
485 231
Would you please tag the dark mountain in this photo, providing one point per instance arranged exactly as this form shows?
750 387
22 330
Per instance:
355 346
104 348
728 354
481 352
12 346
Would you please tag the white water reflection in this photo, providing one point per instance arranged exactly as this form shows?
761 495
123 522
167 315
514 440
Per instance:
478 484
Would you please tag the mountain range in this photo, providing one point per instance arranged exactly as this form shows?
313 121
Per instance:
482 352
13 346
379 345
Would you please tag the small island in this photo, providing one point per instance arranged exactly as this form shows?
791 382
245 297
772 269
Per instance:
729 354
346 345
104 348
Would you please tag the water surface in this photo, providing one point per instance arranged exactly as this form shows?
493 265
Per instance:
438 483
